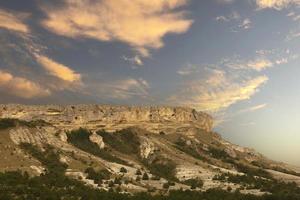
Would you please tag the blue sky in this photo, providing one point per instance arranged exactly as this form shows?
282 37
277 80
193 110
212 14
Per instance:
237 60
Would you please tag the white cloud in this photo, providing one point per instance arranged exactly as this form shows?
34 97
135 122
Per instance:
187 70
136 60
58 70
233 16
21 87
141 24
276 4
13 21
254 108
246 24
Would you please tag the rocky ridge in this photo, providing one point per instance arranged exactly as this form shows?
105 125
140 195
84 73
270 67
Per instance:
111 118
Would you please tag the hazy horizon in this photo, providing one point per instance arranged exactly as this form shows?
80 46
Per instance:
236 60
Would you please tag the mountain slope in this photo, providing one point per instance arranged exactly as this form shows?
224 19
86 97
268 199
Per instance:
133 149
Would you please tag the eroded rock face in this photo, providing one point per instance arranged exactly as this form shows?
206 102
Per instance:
147 148
97 139
111 118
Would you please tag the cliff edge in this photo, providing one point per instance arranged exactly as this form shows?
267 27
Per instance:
111 118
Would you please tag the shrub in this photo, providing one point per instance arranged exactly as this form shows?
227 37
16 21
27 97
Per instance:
145 176
123 170
194 183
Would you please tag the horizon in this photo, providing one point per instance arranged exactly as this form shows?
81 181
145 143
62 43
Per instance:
235 60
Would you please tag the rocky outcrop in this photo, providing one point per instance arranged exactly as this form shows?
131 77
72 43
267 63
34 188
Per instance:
95 138
147 148
111 118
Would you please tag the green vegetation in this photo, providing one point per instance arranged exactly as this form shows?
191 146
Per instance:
276 168
162 168
277 188
124 141
99 176
252 171
19 186
192 151
123 170
80 139
11 123
218 153
48 158
145 176
194 183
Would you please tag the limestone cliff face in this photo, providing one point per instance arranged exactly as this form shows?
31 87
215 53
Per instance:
111 118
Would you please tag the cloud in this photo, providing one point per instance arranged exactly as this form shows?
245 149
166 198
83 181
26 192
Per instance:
13 21
246 24
254 108
21 87
260 64
123 89
216 92
187 70
276 4
58 70
141 24
233 16
136 60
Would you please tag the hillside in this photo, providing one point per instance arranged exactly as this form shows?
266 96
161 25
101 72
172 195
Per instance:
134 149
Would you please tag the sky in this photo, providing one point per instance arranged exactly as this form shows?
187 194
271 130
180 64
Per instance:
234 59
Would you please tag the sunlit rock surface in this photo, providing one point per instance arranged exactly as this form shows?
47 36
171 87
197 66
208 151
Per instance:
111 118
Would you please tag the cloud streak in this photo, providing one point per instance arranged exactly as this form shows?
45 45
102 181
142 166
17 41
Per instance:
13 21
141 24
58 70
217 91
254 108
123 89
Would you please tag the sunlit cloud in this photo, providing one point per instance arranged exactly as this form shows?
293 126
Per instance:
260 64
217 91
276 4
13 21
21 87
58 70
141 24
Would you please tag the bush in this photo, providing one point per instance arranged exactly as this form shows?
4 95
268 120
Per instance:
123 170
194 183
97 176
165 169
145 176
138 172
